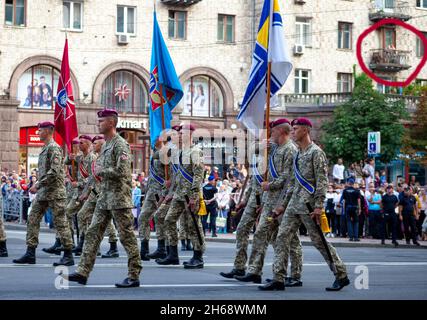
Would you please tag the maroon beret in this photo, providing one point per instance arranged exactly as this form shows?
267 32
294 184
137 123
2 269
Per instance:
278 122
46 124
107 113
95 138
302 122
76 141
176 128
83 136
187 127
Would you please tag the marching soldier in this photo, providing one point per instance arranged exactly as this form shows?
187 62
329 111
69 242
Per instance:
307 189
279 168
113 168
188 186
160 215
50 189
3 248
89 197
156 185
70 192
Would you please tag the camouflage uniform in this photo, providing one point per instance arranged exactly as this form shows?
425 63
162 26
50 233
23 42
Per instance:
183 227
2 232
313 167
281 156
192 162
154 187
50 194
114 201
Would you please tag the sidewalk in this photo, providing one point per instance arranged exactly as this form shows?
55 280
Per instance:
231 238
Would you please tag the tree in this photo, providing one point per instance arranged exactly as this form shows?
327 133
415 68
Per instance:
345 136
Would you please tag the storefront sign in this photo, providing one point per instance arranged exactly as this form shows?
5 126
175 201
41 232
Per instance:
132 124
211 145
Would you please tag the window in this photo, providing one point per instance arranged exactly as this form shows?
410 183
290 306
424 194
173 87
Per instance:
384 89
422 4
126 20
124 91
420 46
15 12
303 28
37 87
72 15
344 35
177 25
302 81
389 38
344 82
202 97
226 28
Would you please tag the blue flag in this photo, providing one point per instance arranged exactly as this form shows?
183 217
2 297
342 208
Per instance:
165 88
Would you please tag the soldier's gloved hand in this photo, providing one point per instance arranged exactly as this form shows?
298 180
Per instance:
265 186
278 211
240 205
194 204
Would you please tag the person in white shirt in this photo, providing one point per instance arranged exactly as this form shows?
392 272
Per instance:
223 200
338 172
369 172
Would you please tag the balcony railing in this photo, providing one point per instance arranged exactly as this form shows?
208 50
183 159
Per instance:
324 100
385 9
180 2
389 60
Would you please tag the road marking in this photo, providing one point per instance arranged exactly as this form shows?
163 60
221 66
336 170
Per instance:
203 285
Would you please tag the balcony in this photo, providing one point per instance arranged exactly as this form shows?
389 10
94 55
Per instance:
389 60
389 9
183 3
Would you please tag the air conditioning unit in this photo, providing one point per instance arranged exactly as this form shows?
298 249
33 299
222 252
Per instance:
122 39
299 49
299 1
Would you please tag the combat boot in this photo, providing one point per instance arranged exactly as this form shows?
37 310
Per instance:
171 259
232 273
128 283
189 246
3 249
66 260
28 258
273 285
196 262
160 253
113 252
292 282
249 277
144 250
78 250
75 277
339 284
183 245
54 248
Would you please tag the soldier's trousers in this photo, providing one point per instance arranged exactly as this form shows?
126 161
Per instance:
84 218
38 210
147 211
95 234
183 227
266 233
288 227
2 232
243 231
177 208
159 217
72 207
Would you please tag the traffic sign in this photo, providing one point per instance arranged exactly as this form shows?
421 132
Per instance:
374 142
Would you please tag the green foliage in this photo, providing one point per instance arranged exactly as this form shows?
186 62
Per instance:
345 136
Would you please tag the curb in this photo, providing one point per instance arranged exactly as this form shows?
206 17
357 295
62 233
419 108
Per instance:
23 227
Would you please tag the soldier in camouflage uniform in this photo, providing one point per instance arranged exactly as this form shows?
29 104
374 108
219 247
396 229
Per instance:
309 184
3 248
280 159
89 198
189 183
156 188
113 169
50 189
171 153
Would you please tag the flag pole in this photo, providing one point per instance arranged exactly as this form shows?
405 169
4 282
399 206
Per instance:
267 116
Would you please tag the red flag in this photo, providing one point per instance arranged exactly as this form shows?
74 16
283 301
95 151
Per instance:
65 111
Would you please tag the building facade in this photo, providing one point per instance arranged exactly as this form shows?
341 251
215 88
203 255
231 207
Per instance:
211 45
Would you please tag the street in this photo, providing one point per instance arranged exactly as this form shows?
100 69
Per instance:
388 274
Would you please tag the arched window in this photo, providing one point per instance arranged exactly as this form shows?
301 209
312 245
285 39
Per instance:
124 91
37 87
202 97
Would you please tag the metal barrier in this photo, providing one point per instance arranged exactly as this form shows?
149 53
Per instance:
12 206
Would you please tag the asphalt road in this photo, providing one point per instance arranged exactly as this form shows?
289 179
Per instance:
375 273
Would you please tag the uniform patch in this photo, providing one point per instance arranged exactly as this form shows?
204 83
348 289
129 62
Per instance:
124 156
56 160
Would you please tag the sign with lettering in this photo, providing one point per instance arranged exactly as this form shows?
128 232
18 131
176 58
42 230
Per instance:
132 124
374 142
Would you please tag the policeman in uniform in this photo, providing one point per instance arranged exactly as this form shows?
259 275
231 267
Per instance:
50 189
308 185
280 163
189 182
70 192
89 198
156 187
170 152
114 201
